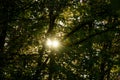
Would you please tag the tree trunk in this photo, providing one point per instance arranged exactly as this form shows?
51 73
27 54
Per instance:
102 69
51 66
4 17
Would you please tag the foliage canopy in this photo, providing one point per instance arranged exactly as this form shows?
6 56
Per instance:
88 32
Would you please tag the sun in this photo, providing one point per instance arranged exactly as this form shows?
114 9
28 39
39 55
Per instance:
55 43
49 42
52 43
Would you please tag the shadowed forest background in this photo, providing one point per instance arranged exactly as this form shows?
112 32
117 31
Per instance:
88 32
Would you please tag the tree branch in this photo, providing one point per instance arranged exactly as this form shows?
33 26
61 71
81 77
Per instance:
77 28
91 36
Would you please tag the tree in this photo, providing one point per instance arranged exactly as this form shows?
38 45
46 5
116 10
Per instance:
88 32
